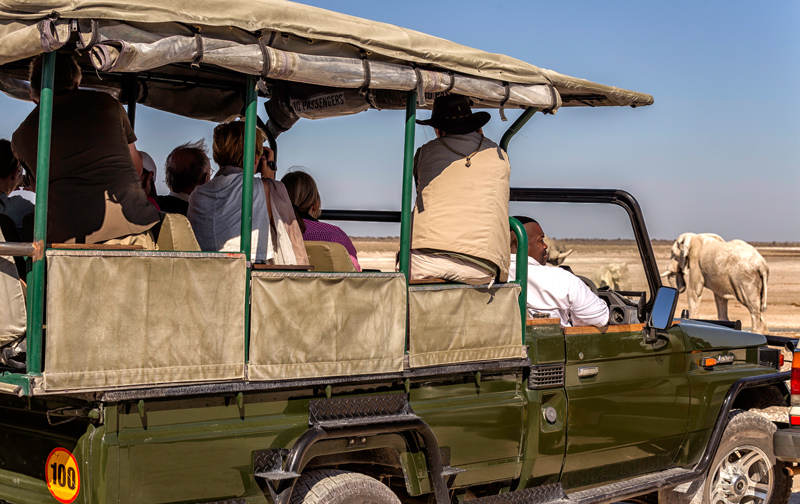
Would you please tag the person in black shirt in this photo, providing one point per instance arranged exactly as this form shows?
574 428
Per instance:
187 167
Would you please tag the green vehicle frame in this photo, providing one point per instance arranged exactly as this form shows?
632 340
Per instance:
639 411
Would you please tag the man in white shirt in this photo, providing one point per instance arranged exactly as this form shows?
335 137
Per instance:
555 291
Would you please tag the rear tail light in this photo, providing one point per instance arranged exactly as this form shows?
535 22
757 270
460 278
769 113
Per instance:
795 384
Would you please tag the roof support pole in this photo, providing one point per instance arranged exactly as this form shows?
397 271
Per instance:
408 180
131 85
36 277
248 168
514 128
522 269
516 226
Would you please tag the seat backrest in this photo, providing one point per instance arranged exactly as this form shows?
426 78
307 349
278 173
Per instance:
177 234
12 302
329 256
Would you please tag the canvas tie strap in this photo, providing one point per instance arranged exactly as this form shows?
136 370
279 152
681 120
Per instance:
362 91
465 156
421 102
198 57
452 83
84 41
262 80
503 102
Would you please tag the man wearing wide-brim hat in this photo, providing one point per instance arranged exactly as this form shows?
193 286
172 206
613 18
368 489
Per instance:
460 221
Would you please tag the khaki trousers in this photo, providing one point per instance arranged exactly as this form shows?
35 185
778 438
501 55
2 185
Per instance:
452 269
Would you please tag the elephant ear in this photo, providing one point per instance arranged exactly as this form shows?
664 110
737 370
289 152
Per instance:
684 242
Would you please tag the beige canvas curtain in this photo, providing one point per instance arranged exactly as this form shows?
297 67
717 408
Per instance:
311 325
127 319
454 324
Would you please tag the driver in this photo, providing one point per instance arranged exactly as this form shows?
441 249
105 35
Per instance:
555 291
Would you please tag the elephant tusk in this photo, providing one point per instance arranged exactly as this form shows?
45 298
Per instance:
666 274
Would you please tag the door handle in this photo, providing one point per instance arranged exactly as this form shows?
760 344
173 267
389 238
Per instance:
587 372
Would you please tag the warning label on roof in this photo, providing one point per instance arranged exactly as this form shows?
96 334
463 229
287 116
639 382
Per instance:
318 103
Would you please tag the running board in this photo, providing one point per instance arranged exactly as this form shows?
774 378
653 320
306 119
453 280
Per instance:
554 494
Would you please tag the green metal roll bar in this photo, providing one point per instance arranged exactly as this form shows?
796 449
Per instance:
36 276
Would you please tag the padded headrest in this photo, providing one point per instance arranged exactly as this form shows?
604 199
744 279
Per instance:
328 256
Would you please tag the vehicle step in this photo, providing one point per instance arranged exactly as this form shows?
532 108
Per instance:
545 494
630 487
276 475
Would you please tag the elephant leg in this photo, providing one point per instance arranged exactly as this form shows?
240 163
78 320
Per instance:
722 307
758 323
694 290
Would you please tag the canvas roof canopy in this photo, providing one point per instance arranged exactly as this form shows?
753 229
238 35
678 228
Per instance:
190 57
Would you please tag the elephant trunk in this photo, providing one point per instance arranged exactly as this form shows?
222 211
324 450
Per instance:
676 280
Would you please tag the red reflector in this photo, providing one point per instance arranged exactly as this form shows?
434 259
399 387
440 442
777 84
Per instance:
780 361
795 382
794 420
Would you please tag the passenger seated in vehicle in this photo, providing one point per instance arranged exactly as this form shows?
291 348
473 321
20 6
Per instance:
148 178
15 207
460 220
95 192
215 208
187 167
305 197
555 291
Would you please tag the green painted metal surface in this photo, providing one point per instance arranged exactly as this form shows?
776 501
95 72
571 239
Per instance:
516 126
522 269
544 442
546 343
629 414
18 380
36 276
408 182
701 336
248 168
480 423
248 165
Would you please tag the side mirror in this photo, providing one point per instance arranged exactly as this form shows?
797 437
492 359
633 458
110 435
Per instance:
663 313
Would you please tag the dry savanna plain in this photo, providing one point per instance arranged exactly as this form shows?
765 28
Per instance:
783 291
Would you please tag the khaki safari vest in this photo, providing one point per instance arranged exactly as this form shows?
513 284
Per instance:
463 209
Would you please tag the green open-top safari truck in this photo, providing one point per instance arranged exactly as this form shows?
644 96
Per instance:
235 388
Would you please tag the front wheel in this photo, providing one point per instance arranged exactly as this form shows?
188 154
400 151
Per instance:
744 470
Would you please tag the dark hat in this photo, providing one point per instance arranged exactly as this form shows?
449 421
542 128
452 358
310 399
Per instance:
451 114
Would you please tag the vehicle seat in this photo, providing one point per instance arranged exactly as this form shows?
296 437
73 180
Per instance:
176 235
329 256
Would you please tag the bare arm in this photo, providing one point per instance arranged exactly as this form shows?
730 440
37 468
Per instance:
138 161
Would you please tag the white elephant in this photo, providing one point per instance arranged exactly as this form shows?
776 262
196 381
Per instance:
731 270
556 251
615 276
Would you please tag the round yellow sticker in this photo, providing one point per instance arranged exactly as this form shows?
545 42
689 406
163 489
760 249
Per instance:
63 477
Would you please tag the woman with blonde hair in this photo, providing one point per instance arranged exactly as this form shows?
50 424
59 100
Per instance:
215 208
305 197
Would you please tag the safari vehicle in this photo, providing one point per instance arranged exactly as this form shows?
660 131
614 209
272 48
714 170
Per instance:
379 391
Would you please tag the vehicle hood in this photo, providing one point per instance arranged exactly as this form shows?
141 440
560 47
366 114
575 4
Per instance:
705 336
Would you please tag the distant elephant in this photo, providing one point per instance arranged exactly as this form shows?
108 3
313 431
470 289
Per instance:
556 251
614 276
732 270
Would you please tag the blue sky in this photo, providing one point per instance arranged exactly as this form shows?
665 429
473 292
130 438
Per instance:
717 152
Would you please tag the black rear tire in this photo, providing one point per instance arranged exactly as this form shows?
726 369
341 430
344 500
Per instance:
329 486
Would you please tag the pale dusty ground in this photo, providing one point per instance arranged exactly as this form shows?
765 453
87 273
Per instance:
783 295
